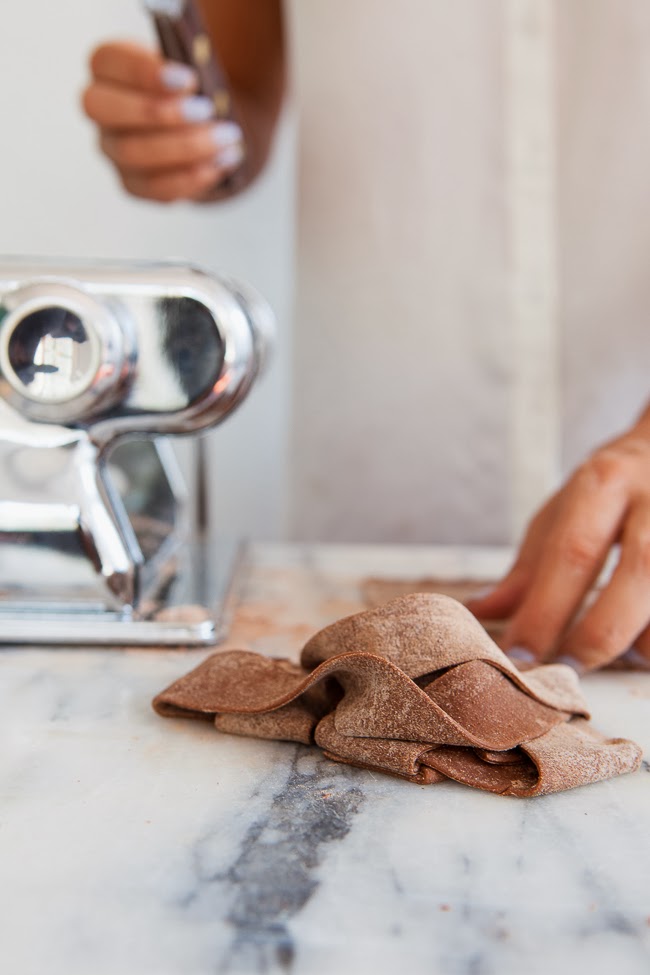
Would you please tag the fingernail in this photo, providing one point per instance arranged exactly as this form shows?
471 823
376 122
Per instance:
483 593
568 661
226 134
231 156
636 659
521 655
177 76
197 108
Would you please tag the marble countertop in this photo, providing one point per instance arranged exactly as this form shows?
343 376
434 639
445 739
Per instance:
133 844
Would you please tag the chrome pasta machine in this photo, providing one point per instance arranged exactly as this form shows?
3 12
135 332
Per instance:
100 365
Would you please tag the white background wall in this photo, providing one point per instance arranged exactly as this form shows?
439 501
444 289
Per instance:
59 197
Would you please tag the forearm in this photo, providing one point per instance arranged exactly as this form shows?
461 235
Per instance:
249 39
643 422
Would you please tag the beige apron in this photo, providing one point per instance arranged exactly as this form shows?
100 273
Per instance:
472 271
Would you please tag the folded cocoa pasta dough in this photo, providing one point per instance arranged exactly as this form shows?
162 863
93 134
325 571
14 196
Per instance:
415 688
376 591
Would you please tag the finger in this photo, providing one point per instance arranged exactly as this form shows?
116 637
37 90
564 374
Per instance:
587 523
175 149
505 596
172 185
621 612
499 600
137 67
119 108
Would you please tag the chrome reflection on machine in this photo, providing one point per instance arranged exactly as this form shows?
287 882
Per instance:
98 362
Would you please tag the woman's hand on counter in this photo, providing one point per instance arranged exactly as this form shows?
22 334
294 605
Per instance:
604 503
160 135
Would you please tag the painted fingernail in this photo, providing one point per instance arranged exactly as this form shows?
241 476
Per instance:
177 77
635 659
479 594
226 134
197 108
231 156
568 661
521 655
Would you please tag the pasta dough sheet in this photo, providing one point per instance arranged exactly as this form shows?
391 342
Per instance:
414 688
376 591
